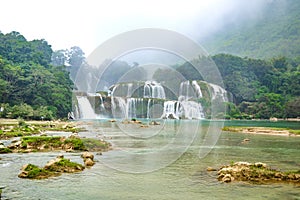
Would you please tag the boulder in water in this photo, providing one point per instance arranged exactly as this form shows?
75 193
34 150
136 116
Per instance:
88 159
89 162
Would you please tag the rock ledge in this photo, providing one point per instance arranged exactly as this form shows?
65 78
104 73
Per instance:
255 173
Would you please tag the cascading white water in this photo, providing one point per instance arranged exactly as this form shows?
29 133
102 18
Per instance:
197 89
184 93
86 109
185 107
148 108
171 110
119 107
76 112
129 89
152 89
192 110
126 107
188 91
131 108
101 101
218 91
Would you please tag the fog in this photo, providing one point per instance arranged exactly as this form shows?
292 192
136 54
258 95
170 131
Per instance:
87 24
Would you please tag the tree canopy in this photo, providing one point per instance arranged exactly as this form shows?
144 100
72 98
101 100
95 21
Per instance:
30 86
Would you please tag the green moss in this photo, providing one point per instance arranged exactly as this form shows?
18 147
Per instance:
34 172
18 131
293 172
35 141
5 150
297 132
87 144
65 165
231 129
76 143
93 144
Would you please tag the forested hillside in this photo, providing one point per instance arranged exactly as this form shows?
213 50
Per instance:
260 88
274 32
35 81
30 87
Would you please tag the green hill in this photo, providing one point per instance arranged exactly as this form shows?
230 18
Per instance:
30 86
276 32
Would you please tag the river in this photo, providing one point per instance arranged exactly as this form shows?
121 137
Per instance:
160 162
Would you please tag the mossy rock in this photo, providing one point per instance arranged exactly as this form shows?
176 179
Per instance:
34 172
5 150
65 165
37 141
257 173
53 168
95 145
75 143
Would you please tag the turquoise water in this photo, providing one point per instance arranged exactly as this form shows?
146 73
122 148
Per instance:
134 169
264 123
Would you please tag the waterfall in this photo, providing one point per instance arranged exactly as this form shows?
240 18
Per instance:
101 102
184 91
218 91
127 107
188 91
76 111
152 89
183 110
197 89
171 111
86 109
187 106
119 107
131 108
129 89
192 110
148 108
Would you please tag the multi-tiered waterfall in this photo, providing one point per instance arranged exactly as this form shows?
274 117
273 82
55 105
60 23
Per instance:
152 89
149 100
186 106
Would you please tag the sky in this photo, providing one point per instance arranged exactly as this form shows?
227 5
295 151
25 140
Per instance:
88 23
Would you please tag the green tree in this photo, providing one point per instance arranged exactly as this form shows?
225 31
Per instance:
24 111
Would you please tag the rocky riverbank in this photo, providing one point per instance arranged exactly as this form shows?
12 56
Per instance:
258 173
31 136
10 128
46 143
263 130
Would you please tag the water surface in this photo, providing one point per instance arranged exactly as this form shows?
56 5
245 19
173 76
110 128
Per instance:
185 178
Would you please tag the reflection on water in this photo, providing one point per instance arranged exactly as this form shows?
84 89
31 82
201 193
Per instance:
185 178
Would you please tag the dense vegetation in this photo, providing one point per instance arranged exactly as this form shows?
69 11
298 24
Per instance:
259 88
35 81
272 32
30 87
